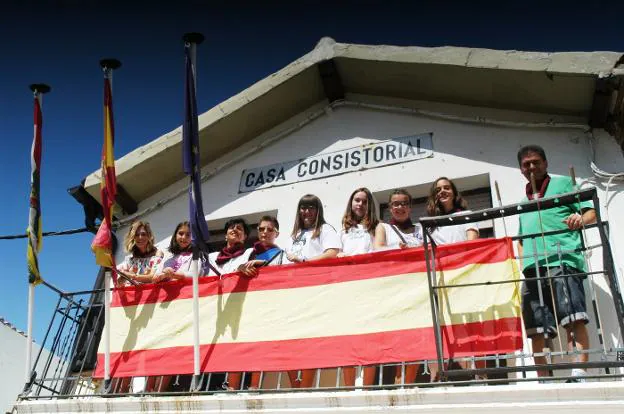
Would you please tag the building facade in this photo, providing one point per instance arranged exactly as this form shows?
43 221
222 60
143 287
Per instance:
347 116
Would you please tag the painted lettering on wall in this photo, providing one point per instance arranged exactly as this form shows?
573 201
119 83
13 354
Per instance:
378 154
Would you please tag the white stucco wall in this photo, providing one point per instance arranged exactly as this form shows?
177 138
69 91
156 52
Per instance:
461 149
13 363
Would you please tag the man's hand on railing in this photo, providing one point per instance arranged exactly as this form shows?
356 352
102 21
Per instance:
574 221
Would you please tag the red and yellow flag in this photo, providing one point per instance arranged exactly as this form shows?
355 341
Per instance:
34 231
102 244
358 310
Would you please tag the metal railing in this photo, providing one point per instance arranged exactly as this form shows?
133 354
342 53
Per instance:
611 357
76 326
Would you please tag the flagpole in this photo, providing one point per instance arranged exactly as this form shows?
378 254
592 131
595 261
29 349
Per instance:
31 309
191 40
108 66
38 90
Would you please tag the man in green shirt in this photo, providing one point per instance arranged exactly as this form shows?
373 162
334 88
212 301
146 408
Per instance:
553 256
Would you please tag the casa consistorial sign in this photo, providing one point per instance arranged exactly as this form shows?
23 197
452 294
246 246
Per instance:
363 157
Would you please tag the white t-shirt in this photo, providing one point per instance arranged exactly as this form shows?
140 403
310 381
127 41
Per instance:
181 263
230 266
414 239
305 247
356 241
453 234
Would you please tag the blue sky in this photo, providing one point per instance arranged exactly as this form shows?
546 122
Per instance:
60 43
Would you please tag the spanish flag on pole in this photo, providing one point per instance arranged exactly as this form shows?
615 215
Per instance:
102 244
34 230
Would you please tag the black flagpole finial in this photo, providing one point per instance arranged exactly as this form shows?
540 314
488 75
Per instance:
193 37
40 88
110 64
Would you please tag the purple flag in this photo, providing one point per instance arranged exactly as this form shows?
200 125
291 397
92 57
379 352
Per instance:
190 154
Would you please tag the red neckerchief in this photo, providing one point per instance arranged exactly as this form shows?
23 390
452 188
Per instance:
405 225
229 253
542 188
259 248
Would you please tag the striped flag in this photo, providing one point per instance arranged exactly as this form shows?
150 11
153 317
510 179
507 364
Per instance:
190 154
358 310
102 244
34 230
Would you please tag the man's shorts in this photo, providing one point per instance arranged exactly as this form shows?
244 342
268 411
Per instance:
569 300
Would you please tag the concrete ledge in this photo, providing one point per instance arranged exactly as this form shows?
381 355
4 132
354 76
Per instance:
597 397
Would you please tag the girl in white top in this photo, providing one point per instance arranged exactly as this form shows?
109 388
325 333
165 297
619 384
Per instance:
140 265
400 232
444 199
357 237
234 254
179 264
311 239
358 224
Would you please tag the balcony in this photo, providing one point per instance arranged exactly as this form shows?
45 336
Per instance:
437 351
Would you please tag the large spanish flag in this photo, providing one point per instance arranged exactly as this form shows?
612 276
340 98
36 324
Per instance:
102 244
358 310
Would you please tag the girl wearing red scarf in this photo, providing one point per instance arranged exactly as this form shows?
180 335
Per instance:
228 259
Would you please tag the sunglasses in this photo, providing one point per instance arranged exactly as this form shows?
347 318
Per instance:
397 204
266 229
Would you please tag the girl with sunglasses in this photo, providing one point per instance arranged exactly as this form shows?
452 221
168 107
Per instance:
311 239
